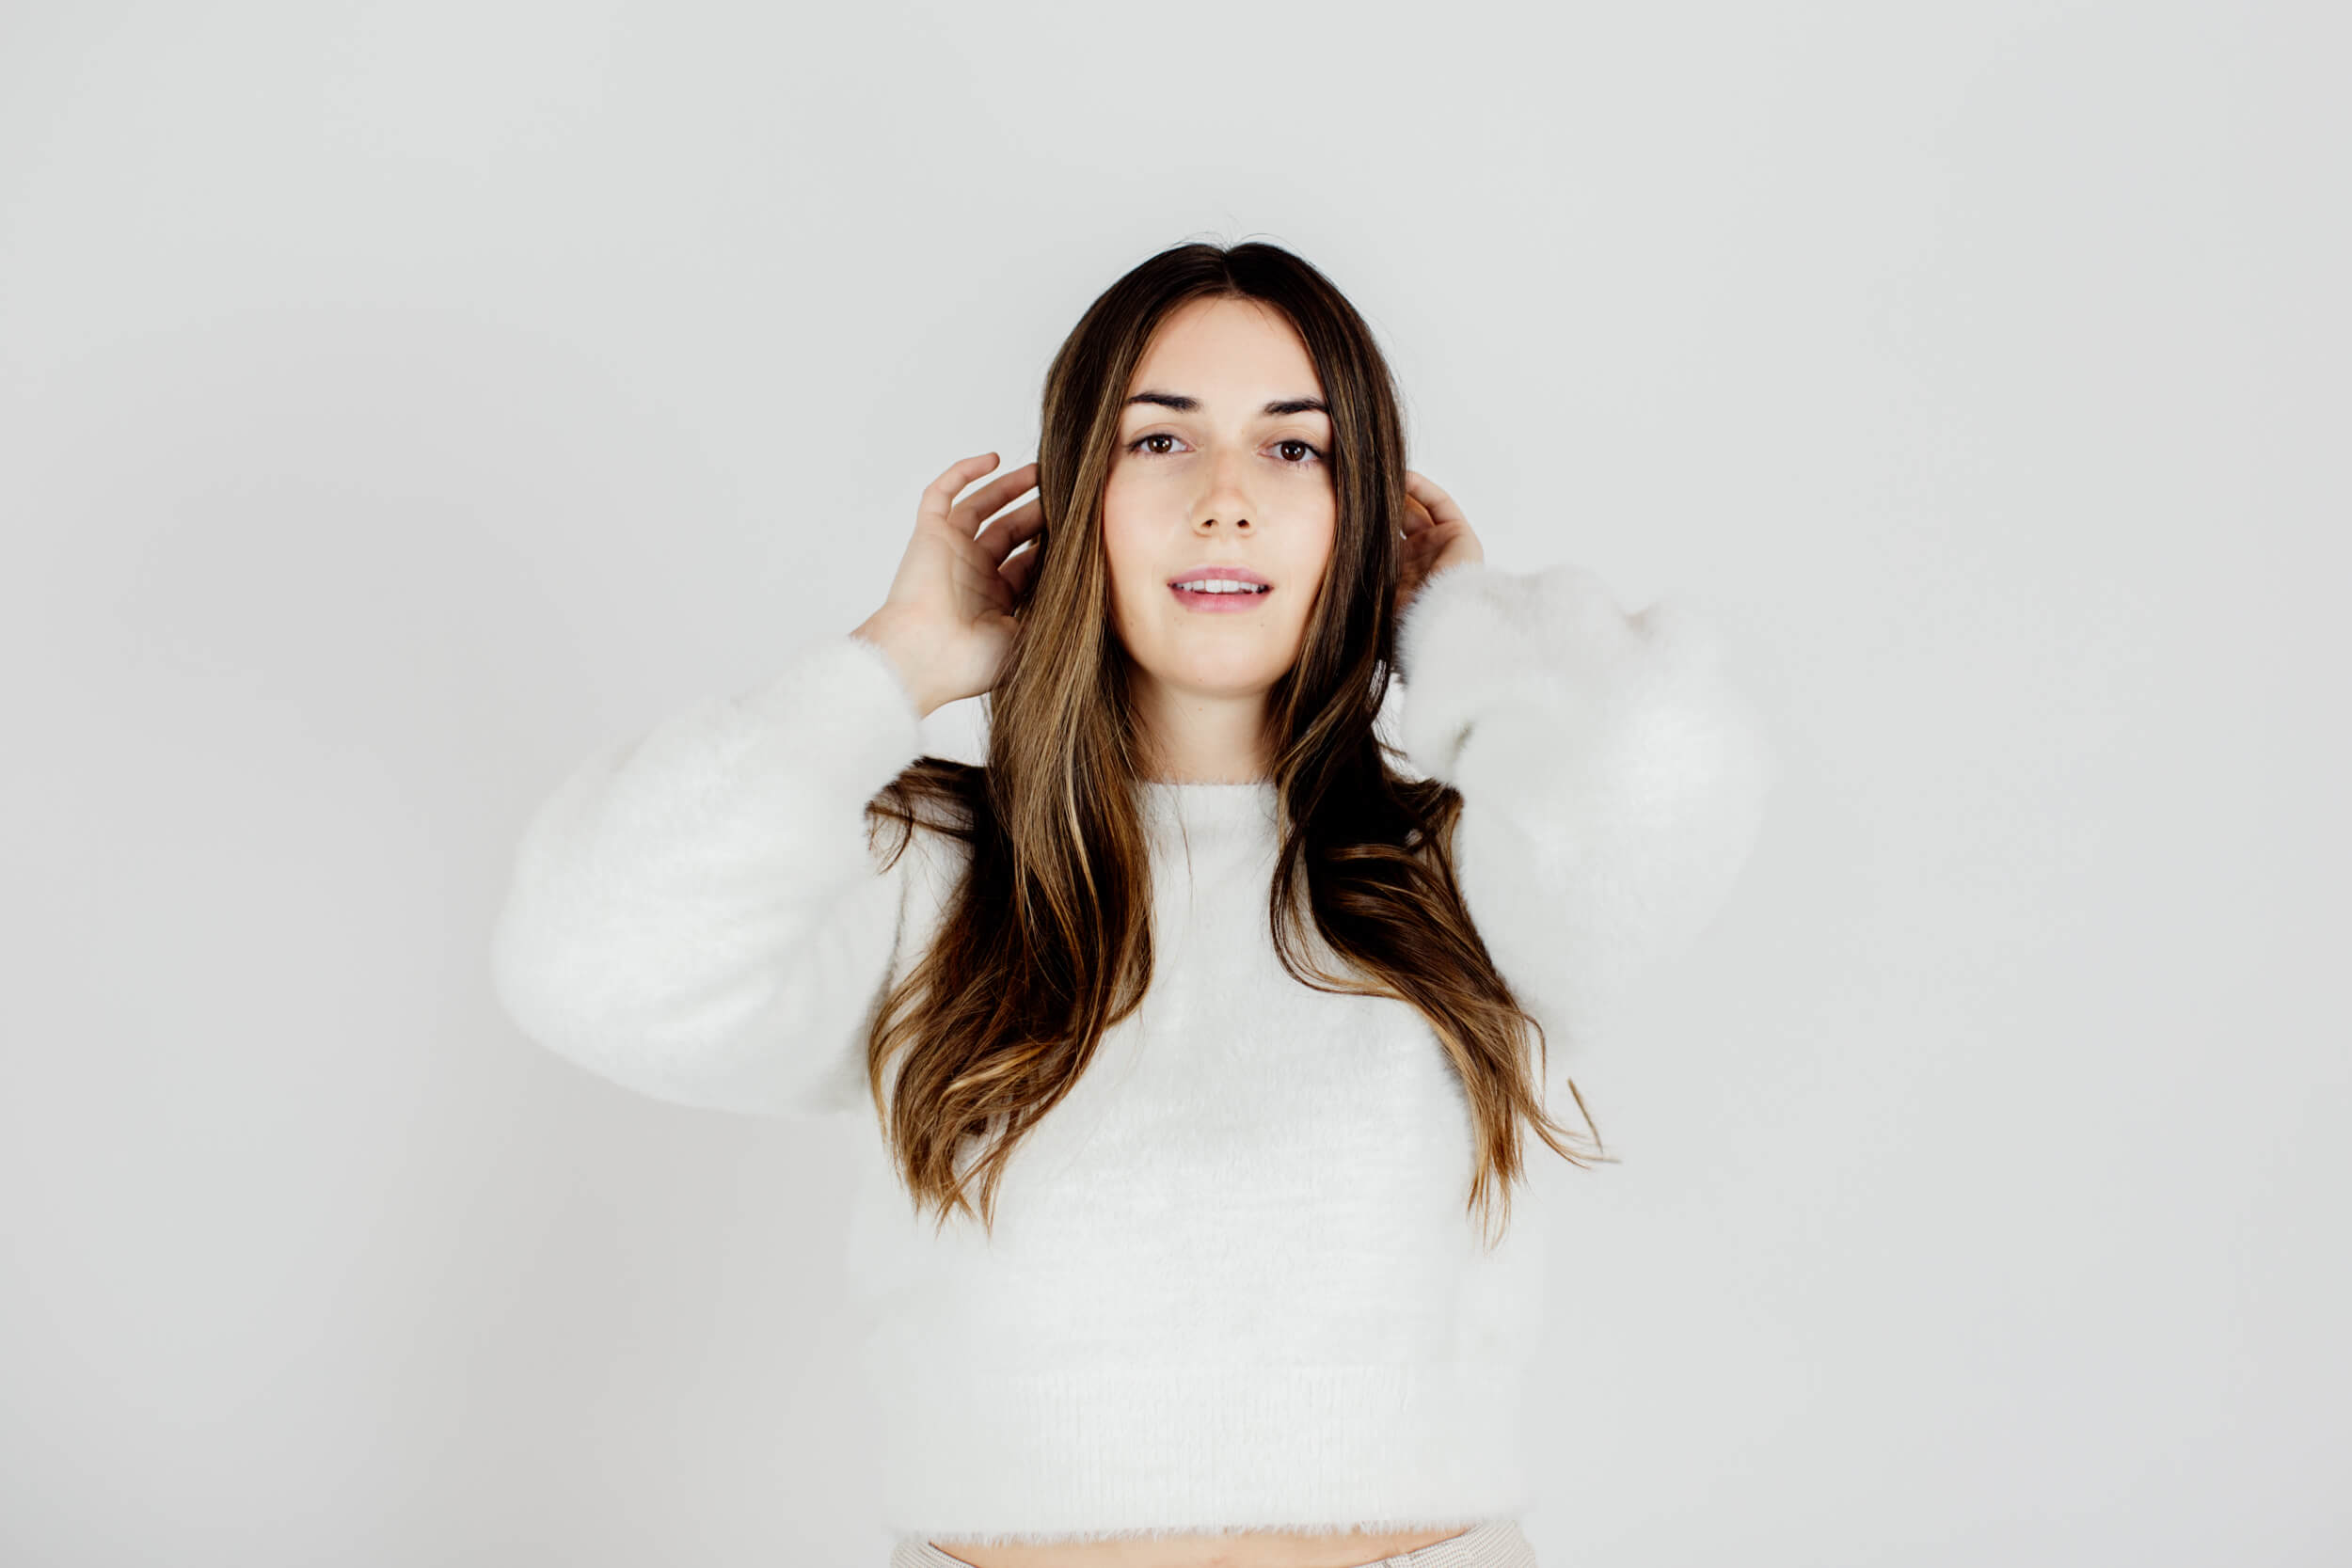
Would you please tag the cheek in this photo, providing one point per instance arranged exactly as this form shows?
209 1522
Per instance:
1127 563
1119 552
1310 564
1311 555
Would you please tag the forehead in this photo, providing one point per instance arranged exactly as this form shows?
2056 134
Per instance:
1231 354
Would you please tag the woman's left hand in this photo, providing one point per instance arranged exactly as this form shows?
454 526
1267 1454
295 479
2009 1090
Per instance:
1437 535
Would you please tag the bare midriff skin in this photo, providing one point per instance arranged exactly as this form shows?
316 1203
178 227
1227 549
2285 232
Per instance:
1250 1549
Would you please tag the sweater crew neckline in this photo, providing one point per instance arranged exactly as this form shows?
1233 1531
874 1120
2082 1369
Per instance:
1246 803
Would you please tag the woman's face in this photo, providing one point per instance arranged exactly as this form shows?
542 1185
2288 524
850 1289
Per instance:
1215 471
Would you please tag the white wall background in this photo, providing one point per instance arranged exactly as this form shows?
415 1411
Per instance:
399 401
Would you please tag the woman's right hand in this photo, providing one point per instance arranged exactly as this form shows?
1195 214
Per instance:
948 622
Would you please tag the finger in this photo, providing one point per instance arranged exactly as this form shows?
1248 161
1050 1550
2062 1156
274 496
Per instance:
969 512
940 495
984 581
1020 571
1442 507
1413 516
1002 534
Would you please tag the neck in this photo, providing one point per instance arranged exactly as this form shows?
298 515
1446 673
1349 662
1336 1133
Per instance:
1203 736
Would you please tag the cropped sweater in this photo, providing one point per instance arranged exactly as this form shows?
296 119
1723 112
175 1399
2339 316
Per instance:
1233 1284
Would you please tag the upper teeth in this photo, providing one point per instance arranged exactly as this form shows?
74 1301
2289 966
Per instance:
1222 585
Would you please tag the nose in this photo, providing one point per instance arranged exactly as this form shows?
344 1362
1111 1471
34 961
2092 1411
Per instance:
1225 501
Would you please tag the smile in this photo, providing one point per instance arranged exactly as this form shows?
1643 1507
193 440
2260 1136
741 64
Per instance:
1219 598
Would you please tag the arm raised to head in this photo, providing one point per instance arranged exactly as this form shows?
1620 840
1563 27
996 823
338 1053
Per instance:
700 914
1613 776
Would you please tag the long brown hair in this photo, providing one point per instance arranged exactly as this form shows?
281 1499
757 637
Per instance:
1048 942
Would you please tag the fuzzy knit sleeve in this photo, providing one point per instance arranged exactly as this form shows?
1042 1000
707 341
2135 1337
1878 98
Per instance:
1614 777
699 914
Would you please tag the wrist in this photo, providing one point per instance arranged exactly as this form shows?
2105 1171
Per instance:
889 634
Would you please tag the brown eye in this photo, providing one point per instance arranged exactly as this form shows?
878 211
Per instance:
1295 441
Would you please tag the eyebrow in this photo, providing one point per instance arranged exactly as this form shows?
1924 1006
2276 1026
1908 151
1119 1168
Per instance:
1183 404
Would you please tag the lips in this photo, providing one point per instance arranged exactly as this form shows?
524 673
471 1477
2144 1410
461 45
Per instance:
1243 575
1220 590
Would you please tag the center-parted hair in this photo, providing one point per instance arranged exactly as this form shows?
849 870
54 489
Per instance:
1046 944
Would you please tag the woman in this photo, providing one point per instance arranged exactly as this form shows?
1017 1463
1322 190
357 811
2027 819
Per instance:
1230 1025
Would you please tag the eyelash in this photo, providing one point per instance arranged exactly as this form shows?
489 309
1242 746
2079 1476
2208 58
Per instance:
1135 446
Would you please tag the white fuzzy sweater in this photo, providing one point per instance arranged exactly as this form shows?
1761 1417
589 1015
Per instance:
1232 1284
